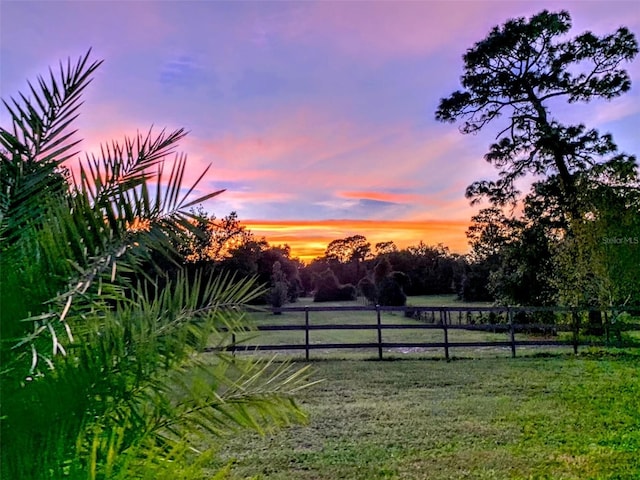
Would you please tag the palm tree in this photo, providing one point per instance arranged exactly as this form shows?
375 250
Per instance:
102 370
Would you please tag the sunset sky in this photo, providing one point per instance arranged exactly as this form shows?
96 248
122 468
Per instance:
317 117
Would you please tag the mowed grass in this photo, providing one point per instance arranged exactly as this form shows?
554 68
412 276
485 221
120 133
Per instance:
442 301
554 417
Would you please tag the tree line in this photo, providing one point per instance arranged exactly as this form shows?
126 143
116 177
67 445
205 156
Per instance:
526 258
348 268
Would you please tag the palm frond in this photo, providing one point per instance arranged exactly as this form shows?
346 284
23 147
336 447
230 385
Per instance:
159 391
38 143
40 124
132 382
124 166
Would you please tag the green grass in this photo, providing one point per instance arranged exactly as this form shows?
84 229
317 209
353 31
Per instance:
443 301
552 417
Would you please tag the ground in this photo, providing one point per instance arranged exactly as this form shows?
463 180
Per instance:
542 417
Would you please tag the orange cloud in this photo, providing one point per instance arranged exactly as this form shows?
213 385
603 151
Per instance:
309 238
381 196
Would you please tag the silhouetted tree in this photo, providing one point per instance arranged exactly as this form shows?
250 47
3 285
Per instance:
346 256
384 248
213 239
513 74
511 78
489 232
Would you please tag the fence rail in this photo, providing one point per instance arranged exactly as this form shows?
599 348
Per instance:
487 319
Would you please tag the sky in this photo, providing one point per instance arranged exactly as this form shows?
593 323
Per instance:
316 117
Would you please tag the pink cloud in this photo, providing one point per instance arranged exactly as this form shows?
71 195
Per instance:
301 153
381 196
612 111
242 197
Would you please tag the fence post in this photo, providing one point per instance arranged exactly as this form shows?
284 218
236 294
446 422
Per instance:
576 330
512 333
379 332
233 344
306 333
443 320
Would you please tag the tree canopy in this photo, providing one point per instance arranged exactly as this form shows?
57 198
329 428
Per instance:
350 249
514 74
553 252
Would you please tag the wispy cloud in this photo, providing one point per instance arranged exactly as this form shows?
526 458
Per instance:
381 196
184 72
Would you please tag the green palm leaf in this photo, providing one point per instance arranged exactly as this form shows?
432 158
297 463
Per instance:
102 378
38 143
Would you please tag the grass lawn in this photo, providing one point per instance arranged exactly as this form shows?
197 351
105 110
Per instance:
552 417
443 301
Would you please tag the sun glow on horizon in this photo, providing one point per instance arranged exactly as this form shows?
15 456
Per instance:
308 239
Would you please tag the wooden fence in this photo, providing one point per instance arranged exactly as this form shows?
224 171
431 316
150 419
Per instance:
507 320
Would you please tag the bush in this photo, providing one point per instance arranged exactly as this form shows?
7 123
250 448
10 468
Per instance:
401 279
381 271
328 289
368 289
390 293
340 294
278 295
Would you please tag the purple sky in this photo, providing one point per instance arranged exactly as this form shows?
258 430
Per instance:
306 110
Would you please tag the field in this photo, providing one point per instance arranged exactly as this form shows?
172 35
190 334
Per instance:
543 417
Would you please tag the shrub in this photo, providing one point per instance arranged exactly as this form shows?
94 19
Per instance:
401 279
390 293
278 295
381 271
328 289
279 292
368 289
